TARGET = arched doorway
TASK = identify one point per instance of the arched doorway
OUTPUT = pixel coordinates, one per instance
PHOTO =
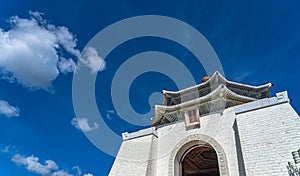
(199, 160)
(191, 142)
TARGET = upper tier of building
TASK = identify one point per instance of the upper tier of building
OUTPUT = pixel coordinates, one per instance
(213, 95)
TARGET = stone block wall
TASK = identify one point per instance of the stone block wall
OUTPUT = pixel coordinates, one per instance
(268, 136)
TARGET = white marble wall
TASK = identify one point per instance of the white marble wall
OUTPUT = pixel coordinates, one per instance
(252, 139)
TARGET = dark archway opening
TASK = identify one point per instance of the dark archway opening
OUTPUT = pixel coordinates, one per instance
(200, 161)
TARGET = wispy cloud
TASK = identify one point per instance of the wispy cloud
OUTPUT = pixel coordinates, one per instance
(8, 149)
(83, 124)
(8, 110)
(245, 74)
(77, 168)
(33, 165)
(66, 65)
(61, 173)
(5, 149)
(79, 172)
(49, 168)
(91, 59)
(110, 114)
(32, 52)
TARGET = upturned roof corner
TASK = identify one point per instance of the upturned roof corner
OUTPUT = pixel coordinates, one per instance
(214, 94)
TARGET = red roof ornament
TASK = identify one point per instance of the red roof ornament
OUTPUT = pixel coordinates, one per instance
(205, 78)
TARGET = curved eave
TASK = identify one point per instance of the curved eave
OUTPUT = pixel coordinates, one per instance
(210, 82)
(215, 94)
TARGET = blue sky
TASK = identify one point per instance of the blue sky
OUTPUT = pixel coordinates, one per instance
(40, 43)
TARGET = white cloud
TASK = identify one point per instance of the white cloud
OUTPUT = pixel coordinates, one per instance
(66, 65)
(6, 149)
(61, 173)
(91, 59)
(31, 52)
(8, 110)
(66, 39)
(33, 165)
(83, 124)
(50, 168)
(77, 168)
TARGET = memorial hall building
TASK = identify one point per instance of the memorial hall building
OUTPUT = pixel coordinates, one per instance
(216, 128)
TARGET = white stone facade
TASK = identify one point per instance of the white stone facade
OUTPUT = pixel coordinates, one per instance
(253, 139)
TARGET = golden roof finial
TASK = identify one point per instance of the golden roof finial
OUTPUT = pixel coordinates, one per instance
(205, 78)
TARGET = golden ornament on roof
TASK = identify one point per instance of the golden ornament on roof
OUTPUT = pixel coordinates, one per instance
(205, 78)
